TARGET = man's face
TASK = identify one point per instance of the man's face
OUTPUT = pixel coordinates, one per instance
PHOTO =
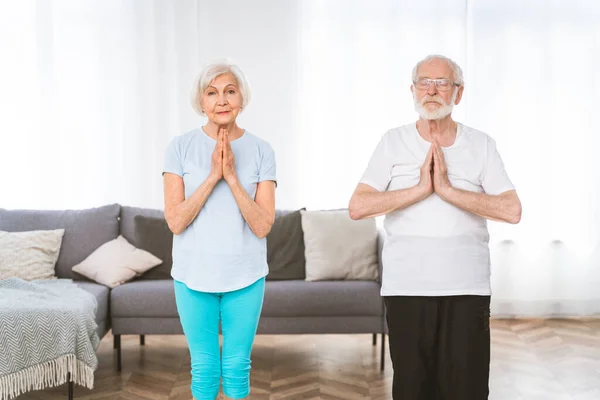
(435, 101)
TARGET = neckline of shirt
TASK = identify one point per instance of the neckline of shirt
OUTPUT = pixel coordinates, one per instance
(459, 131)
(244, 134)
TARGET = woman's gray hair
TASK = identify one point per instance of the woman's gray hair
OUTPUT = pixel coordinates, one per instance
(456, 70)
(209, 73)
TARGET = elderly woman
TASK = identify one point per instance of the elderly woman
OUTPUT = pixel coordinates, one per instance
(219, 189)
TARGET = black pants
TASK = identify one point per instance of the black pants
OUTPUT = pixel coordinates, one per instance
(440, 347)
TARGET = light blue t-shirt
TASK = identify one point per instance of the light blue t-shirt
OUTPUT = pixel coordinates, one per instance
(218, 252)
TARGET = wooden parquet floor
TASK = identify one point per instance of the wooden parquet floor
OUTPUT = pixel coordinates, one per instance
(531, 360)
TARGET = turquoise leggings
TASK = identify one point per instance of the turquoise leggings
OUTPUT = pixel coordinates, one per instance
(238, 312)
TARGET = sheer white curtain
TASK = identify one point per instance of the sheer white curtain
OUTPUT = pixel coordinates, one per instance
(92, 91)
(533, 72)
(531, 83)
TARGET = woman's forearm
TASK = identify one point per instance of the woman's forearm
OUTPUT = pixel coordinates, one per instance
(181, 216)
(257, 218)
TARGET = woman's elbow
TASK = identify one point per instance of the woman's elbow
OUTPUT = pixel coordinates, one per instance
(177, 230)
(173, 225)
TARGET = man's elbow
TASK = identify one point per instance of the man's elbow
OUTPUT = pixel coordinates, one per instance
(354, 211)
(515, 215)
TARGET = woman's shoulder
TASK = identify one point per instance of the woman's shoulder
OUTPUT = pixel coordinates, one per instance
(183, 140)
(257, 141)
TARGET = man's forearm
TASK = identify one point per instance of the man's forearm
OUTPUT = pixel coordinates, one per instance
(257, 218)
(505, 207)
(373, 204)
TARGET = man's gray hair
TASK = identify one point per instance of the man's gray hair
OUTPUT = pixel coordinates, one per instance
(209, 73)
(456, 70)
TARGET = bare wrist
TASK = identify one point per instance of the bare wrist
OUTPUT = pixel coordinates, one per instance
(232, 181)
(447, 194)
(421, 191)
(213, 179)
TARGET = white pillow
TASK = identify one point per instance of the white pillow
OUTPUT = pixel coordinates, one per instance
(339, 248)
(29, 255)
(116, 262)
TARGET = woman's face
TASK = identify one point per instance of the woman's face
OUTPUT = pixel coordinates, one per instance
(222, 100)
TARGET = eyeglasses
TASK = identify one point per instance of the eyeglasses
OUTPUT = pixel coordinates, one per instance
(443, 85)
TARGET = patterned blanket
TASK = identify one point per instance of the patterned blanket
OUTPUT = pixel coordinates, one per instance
(47, 330)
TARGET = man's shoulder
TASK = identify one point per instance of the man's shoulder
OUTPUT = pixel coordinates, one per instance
(474, 134)
(400, 132)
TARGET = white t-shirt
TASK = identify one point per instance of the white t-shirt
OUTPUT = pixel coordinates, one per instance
(434, 248)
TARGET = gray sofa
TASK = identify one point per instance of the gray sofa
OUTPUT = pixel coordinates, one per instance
(146, 305)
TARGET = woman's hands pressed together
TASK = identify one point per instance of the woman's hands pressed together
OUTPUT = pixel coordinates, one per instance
(223, 160)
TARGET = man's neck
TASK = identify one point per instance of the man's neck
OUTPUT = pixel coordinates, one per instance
(443, 130)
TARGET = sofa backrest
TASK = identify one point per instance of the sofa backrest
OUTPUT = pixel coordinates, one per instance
(156, 237)
(85, 231)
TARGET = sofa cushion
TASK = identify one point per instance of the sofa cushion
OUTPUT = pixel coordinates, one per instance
(153, 298)
(338, 247)
(116, 262)
(153, 235)
(285, 247)
(29, 255)
(101, 294)
(324, 298)
(85, 231)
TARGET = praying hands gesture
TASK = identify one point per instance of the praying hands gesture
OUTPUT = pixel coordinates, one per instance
(505, 207)
(223, 160)
(434, 173)
(441, 183)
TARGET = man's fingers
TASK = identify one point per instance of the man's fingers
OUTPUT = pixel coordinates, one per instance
(429, 158)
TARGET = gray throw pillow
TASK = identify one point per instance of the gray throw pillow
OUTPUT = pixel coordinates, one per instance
(153, 235)
(285, 248)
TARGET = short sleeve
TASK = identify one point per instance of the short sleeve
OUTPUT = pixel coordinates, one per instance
(173, 162)
(268, 169)
(495, 180)
(377, 174)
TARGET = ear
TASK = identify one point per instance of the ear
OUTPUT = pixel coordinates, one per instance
(412, 89)
(199, 99)
(459, 95)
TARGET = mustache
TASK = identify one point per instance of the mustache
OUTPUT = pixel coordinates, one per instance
(435, 98)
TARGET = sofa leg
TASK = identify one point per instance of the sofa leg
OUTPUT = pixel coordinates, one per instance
(142, 340)
(117, 344)
(70, 386)
(382, 351)
(374, 339)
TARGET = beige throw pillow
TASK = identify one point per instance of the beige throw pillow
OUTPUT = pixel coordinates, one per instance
(116, 262)
(339, 248)
(29, 255)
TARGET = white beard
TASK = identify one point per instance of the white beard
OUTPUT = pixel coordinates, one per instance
(441, 112)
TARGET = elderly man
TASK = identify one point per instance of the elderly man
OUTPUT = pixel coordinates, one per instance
(437, 181)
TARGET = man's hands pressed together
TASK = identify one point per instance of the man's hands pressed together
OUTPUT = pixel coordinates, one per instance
(434, 173)
(441, 183)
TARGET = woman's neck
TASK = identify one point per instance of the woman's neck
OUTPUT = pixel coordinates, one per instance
(212, 129)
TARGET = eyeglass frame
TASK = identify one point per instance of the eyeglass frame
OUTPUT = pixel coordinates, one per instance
(435, 81)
